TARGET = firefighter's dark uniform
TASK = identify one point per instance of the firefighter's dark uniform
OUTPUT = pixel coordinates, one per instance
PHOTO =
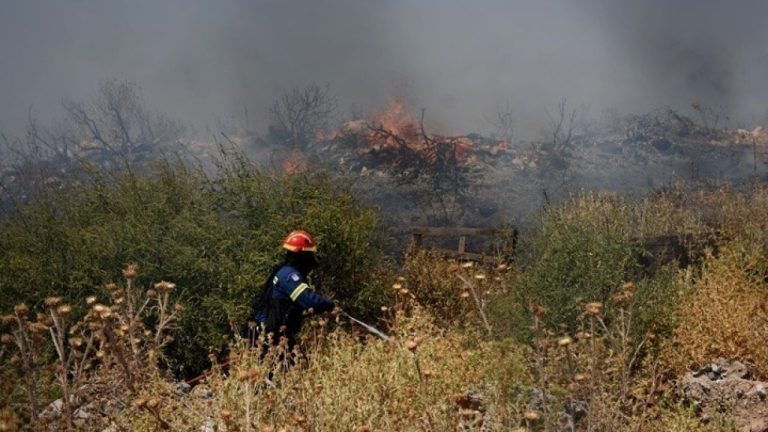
(289, 296)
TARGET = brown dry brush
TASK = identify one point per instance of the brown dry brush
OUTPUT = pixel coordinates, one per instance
(108, 353)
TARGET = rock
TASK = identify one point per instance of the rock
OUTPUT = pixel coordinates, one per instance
(201, 391)
(181, 388)
(208, 426)
(724, 383)
(53, 409)
(82, 413)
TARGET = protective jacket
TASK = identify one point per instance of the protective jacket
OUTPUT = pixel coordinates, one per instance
(286, 297)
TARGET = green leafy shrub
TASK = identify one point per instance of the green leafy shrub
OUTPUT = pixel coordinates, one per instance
(584, 251)
(216, 237)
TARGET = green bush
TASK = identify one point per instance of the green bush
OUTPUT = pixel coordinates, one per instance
(584, 251)
(215, 237)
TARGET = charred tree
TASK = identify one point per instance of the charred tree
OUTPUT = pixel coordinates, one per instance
(300, 113)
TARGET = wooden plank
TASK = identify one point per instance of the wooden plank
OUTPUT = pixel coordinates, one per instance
(463, 255)
(455, 231)
(462, 243)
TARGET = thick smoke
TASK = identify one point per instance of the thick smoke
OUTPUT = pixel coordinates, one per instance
(210, 62)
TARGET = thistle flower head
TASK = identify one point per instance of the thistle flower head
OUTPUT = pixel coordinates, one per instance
(531, 415)
(21, 310)
(37, 327)
(64, 310)
(412, 344)
(165, 286)
(130, 271)
(153, 403)
(537, 310)
(52, 302)
(594, 308)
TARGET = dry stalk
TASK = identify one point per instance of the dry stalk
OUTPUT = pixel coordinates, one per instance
(27, 336)
(480, 307)
(412, 346)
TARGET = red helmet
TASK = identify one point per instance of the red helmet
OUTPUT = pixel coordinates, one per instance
(300, 241)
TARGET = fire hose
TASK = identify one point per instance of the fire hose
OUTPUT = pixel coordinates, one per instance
(371, 329)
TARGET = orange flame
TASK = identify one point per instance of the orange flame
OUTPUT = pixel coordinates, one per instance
(398, 120)
(294, 162)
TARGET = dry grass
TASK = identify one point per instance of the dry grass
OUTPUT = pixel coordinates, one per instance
(726, 314)
(418, 381)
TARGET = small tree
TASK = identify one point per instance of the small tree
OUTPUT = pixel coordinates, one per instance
(113, 130)
(503, 122)
(300, 113)
(561, 130)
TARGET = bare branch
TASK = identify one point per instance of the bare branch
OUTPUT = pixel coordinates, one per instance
(300, 113)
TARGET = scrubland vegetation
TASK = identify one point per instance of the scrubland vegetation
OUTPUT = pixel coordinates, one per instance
(607, 304)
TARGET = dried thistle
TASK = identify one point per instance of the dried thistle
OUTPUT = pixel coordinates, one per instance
(52, 302)
(64, 310)
(21, 310)
(594, 308)
(130, 271)
(164, 286)
(531, 415)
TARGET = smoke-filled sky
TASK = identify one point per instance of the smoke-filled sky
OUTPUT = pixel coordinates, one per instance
(201, 61)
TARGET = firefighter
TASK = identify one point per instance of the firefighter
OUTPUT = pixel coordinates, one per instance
(286, 296)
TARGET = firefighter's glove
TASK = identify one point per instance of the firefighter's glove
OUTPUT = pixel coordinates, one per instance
(336, 313)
